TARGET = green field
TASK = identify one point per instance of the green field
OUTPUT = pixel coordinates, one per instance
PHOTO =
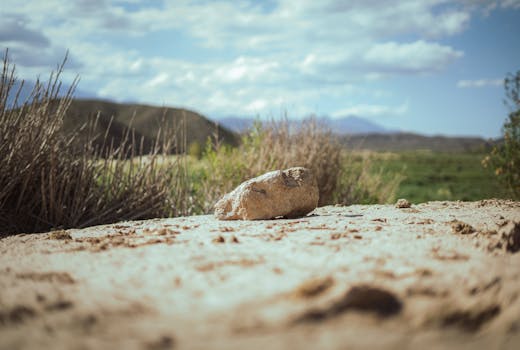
(439, 176)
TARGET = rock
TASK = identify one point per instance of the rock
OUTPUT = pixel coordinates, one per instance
(461, 227)
(363, 298)
(403, 203)
(289, 193)
(510, 235)
(314, 287)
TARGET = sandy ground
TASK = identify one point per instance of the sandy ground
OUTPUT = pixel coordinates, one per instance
(439, 275)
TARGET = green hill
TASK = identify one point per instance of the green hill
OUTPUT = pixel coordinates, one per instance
(145, 121)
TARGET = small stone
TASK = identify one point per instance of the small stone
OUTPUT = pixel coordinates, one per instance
(219, 239)
(314, 287)
(286, 193)
(61, 234)
(510, 235)
(403, 203)
(462, 228)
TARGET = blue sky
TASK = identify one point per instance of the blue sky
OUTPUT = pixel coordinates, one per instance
(427, 66)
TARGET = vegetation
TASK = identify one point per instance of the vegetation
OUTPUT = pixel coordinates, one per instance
(505, 157)
(280, 145)
(48, 180)
(55, 174)
(429, 176)
(146, 123)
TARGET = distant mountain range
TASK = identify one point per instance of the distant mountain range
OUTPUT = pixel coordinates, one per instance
(143, 124)
(361, 134)
(350, 125)
(145, 121)
(397, 142)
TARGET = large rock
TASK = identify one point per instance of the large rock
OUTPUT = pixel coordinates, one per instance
(289, 193)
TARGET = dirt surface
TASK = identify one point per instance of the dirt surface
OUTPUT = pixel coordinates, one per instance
(440, 275)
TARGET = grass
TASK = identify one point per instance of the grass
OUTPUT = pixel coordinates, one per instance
(51, 179)
(56, 178)
(280, 145)
(429, 176)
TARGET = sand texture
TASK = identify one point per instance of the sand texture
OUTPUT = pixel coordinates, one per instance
(439, 275)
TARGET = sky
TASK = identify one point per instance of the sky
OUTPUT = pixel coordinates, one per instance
(426, 66)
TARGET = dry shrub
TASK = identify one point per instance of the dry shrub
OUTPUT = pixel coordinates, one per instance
(52, 179)
(49, 180)
(360, 183)
(283, 144)
(504, 158)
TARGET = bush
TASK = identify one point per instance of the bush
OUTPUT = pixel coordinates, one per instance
(280, 145)
(49, 180)
(504, 158)
(195, 150)
(52, 178)
(362, 182)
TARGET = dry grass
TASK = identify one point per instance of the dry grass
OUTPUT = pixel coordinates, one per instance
(53, 178)
(49, 180)
(280, 145)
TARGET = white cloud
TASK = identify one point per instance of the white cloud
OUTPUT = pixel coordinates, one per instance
(373, 61)
(510, 3)
(157, 81)
(488, 5)
(416, 57)
(248, 56)
(477, 83)
(372, 110)
(246, 69)
(15, 30)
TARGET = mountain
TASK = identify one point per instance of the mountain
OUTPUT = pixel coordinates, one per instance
(340, 126)
(353, 125)
(395, 142)
(146, 121)
(236, 124)
(115, 119)
(360, 134)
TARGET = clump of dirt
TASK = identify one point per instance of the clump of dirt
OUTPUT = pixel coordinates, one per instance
(160, 232)
(163, 343)
(471, 320)
(314, 287)
(510, 235)
(59, 305)
(462, 228)
(453, 255)
(403, 203)
(495, 282)
(498, 203)
(61, 234)
(219, 239)
(16, 315)
(60, 277)
(362, 298)
(507, 238)
(218, 264)
(127, 239)
(278, 236)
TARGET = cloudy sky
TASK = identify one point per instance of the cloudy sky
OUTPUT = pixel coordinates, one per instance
(429, 66)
